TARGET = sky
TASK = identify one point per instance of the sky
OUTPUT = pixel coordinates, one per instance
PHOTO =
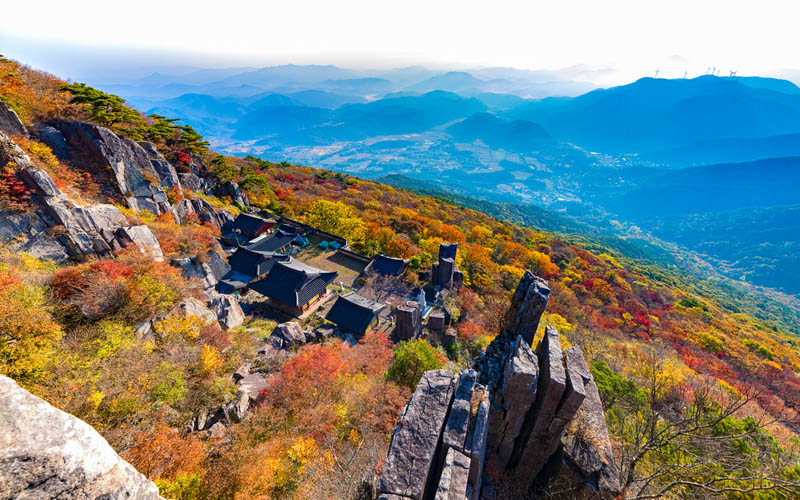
(607, 42)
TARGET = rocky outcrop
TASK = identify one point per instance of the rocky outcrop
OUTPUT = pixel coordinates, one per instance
(193, 307)
(288, 335)
(208, 268)
(191, 182)
(230, 189)
(143, 238)
(10, 124)
(445, 273)
(527, 305)
(512, 412)
(221, 218)
(587, 453)
(48, 454)
(166, 172)
(408, 321)
(114, 160)
(410, 469)
(229, 312)
(79, 232)
(453, 483)
(516, 396)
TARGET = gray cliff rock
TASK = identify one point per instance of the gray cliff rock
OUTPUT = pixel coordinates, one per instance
(9, 121)
(411, 461)
(114, 160)
(48, 454)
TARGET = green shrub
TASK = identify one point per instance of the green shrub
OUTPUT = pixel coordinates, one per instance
(411, 359)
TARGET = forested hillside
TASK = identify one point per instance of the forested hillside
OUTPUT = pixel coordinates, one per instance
(701, 397)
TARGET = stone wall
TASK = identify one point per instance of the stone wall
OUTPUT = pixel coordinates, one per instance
(530, 416)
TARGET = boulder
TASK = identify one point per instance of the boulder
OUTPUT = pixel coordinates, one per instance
(217, 431)
(183, 209)
(48, 454)
(290, 334)
(193, 307)
(9, 121)
(143, 238)
(241, 373)
(208, 270)
(230, 189)
(412, 453)
(54, 139)
(229, 312)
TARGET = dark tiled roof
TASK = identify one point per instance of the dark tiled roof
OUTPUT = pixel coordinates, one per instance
(235, 279)
(251, 224)
(448, 250)
(249, 262)
(390, 266)
(233, 239)
(354, 313)
(271, 242)
(293, 283)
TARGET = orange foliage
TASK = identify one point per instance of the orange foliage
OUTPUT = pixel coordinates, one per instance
(164, 453)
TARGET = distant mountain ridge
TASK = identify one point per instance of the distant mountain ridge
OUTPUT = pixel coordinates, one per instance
(657, 114)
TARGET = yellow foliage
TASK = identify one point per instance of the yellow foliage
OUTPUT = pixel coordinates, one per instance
(114, 336)
(210, 360)
(303, 450)
(178, 327)
(96, 398)
(27, 330)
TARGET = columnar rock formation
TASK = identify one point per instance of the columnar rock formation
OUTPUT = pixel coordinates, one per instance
(511, 411)
(445, 273)
(48, 454)
(408, 321)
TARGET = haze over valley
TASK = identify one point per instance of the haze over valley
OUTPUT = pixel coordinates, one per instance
(701, 162)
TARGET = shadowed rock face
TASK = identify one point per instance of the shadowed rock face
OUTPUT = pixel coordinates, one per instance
(48, 454)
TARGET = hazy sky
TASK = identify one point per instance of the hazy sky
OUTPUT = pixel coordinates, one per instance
(623, 39)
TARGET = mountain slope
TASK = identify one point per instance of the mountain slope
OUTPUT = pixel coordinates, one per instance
(652, 114)
(518, 135)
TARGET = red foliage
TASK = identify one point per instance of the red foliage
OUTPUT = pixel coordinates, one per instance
(469, 331)
(373, 354)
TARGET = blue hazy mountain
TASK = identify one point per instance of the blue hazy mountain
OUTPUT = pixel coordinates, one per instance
(399, 115)
(279, 120)
(517, 135)
(658, 114)
(710, 188)
(728, 150)
(746, 215)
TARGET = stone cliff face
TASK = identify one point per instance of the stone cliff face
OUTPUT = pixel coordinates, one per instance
(509, 415)
(48, 454)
